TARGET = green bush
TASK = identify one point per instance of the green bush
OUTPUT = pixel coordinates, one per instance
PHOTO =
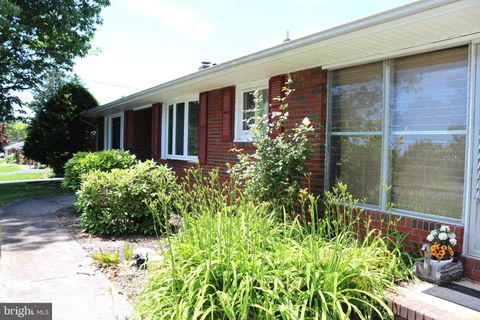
(237, 261)
(114, 203)
(85, 162)
(11, 158)
(274, 171)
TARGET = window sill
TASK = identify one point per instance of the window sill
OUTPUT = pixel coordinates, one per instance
(411, 214)
(182, 158)
(242, 140)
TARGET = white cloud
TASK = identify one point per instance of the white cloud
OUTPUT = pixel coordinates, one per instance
(182, 19)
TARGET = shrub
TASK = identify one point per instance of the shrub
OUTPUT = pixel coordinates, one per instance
(11, 158)
(84, 162)
(57, 131)
(114, 203)
(236, 261)
(274, 171)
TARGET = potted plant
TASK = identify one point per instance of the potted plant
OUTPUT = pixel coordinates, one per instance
(441, 241)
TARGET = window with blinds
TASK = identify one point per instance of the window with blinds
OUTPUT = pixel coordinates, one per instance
(426, 135)
(428, 131)
(356, 129)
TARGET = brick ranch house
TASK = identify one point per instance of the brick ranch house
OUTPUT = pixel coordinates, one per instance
(394, 98)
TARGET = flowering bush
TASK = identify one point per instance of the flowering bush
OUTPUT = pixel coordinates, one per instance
(441, 242)
(274, 171)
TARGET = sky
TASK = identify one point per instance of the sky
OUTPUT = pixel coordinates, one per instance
(143, 43)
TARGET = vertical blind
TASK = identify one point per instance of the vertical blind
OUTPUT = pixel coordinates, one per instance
(426, 137)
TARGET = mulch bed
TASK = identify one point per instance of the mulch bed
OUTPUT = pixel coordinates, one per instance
(127, 278)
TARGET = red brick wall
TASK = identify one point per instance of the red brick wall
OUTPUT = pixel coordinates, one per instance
(308, 100)
(417, 229)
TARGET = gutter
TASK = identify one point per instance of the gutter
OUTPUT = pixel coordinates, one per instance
(382, 17)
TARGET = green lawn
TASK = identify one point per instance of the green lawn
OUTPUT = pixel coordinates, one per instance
(22, 176)
(17, 191)
(10, 167)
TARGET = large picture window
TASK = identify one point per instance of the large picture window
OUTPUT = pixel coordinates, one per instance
(420, 151)
(182, 130)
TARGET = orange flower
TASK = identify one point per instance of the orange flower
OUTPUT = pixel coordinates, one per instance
(441, 254)
(305, 190)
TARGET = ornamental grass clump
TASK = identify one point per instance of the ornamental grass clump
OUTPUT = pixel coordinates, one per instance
(235, 259)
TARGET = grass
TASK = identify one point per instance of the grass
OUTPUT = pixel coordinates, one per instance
(107, 259)
(23, 176)
(10, 168)
(18, 191)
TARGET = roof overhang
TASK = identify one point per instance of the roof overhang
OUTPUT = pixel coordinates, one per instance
(413, 28)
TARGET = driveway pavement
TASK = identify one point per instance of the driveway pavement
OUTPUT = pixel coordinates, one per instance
(40, 262)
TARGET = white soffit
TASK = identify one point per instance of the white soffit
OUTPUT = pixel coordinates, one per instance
(430, 27)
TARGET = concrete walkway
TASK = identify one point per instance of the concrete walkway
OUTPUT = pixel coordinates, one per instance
(40, 262)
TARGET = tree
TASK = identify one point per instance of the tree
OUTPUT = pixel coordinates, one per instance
(3, 138)
(52, 82)
(57, 131)
(16, 131)
(38, 37)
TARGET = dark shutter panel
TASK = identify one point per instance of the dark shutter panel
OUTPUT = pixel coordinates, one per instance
(100, 133)
(128, 137)
(226, 134)
(156, 128)
(202, 128)
(275, 86)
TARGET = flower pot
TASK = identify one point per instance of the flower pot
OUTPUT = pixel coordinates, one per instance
(440, 263)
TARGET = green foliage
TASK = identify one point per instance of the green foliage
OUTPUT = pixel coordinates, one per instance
(233, 259)
(11, 158)
(127, 251)
(273, 172)
(85, 162)
(3, 137)
(16, 157)
(16, 131)
(113, 203)
(38, 37)
(106, 259)
(57, 131)
(52, 82)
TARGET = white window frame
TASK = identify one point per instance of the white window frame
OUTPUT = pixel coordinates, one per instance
(107, 141)
(164, 133)
(242, 135)
(385, 137)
